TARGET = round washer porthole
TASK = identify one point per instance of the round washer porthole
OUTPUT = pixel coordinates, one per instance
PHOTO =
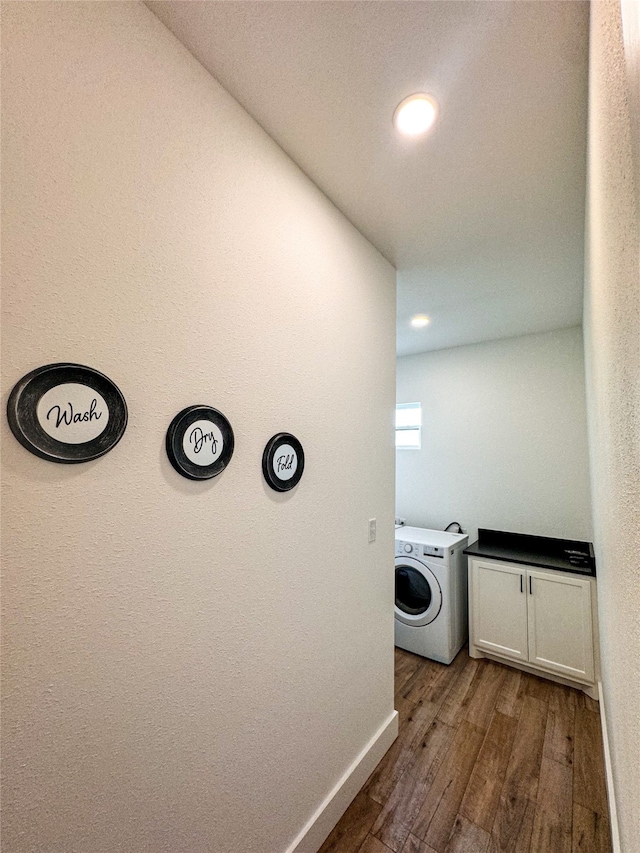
(200, 442)
(413, 591)
(418, 598)
(283, 462)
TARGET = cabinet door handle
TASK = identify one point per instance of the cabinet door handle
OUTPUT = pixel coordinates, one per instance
(521, 587)
(530, 590)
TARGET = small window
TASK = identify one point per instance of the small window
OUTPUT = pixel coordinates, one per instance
(408, 426)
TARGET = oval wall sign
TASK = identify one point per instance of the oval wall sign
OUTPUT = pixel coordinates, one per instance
(67, 413)
(200, 442)
(283, 462)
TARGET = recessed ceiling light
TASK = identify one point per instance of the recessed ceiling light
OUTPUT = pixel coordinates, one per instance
(415, 115)
(420, 321)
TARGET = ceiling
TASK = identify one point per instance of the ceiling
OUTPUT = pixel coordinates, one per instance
(483, 218)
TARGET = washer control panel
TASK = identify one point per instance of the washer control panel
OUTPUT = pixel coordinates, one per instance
(406, 548)
(416, 550)
(432, 551)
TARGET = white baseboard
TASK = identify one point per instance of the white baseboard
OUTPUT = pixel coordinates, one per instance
(611, 796)
(329, 812)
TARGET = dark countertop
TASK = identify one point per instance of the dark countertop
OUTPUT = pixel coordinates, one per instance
(566, 555)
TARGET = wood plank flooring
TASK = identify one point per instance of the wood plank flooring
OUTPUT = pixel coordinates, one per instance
(488, 760)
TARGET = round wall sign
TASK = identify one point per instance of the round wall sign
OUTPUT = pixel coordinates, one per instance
(283, 462)
(200, 442)
(67, 413)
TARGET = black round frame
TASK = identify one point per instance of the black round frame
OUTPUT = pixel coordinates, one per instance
(23, 419)
(267, 462)
(175, 435)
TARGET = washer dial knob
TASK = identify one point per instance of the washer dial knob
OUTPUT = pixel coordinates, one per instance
(408, 549)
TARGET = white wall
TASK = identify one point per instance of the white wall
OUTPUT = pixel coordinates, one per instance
(612, 346)
(504, 437)
(188, 666)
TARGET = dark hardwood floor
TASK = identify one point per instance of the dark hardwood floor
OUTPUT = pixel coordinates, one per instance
(488, 760)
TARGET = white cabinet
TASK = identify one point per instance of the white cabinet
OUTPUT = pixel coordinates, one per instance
(540, 618)
(499, 609)
(560, 624)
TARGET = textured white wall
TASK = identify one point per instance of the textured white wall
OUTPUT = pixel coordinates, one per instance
(504, 437)
(612, 347)
(188, 666)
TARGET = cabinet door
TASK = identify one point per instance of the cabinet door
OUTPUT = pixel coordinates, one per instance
(499, 609)
(560, 626)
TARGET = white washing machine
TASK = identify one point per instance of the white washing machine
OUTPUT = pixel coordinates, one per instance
(431, 592)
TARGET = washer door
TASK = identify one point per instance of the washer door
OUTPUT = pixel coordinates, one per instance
(418, 593)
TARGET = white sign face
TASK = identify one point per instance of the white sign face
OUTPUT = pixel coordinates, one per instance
(72, 413)
(285, 462)
(202, 443)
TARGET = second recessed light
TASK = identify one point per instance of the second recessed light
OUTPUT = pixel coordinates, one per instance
(420, 321)
(415, 115)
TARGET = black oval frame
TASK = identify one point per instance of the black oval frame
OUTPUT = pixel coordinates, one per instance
(267, 459)
(23, 420)
(175, 435)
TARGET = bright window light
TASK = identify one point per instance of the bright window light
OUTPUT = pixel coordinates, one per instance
(408, 426)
